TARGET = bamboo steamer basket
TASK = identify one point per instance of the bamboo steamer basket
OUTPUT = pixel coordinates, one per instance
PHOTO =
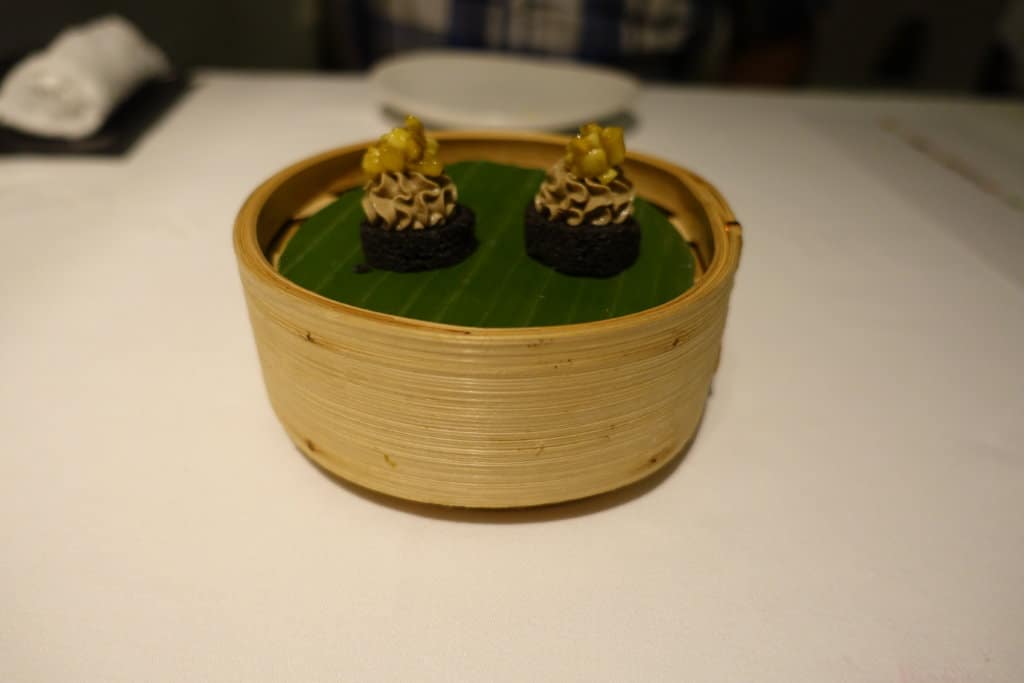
(486, 417)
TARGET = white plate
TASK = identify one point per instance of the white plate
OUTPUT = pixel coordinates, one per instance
(466, 89)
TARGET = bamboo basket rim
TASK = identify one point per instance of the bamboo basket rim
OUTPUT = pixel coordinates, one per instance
(726, 234)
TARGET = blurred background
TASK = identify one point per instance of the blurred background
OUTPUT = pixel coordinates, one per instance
(926, 45)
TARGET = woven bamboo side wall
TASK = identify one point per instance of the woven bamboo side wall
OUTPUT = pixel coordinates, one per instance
(487, 417)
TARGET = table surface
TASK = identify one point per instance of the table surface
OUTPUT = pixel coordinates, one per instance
(852, 509)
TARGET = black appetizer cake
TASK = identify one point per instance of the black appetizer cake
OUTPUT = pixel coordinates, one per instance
(581, 220)
(413, 219)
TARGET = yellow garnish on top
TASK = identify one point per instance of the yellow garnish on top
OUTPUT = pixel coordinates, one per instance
(595, 152)
(403, 149)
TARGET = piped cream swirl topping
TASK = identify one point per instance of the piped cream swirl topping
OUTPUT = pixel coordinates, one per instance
(401, 200)
(565, 196)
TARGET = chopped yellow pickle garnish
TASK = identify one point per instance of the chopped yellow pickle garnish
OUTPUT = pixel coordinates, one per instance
(595, 152)
(403, 149)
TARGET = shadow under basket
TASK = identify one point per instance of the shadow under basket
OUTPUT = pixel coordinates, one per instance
(486, 417)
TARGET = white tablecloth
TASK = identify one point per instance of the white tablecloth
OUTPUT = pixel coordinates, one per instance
(852, 509)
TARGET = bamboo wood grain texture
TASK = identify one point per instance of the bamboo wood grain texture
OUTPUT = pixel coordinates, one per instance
(486, 417)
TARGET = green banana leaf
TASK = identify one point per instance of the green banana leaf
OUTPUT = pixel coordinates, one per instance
(498, 285)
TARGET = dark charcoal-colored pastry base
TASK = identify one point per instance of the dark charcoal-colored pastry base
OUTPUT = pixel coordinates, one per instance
(591, 250)
(409, 250)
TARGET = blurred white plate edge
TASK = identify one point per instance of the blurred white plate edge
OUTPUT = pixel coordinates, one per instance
(584, 92)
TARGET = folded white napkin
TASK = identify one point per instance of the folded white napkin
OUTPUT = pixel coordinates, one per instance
(69, 89)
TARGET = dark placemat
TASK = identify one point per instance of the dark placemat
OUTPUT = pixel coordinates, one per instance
(124, 127)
